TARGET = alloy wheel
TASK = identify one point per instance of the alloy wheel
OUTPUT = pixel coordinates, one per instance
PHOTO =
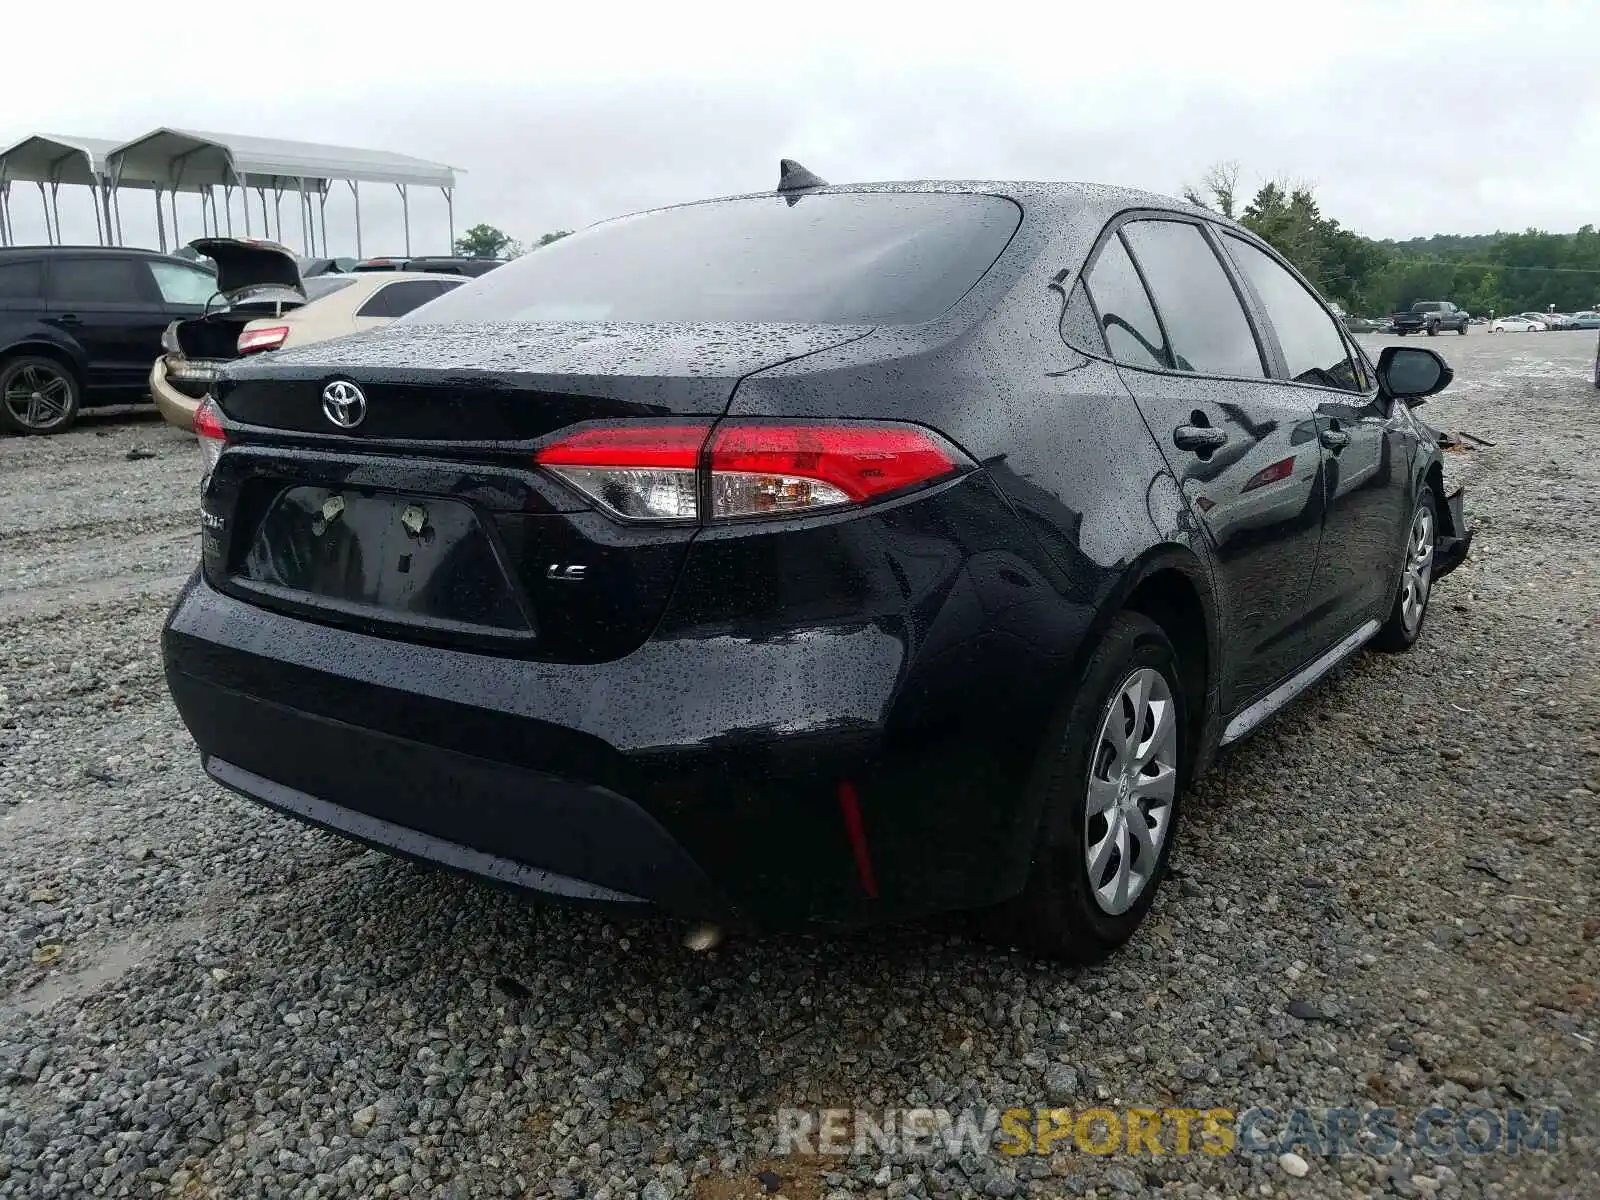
(1133, 775)
(38, 398)
(1418, 570)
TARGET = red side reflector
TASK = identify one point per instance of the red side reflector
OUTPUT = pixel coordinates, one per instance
(1281, 469)
(850, 811)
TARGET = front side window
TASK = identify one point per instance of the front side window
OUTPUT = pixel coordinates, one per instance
(1313, 348)
(834, 258)
(1205, 322)
(103, 280)
(183, 285)
(1129, 323)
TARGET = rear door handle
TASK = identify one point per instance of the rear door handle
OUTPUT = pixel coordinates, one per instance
(1202, 439)
(1334, 439)
(69, 319)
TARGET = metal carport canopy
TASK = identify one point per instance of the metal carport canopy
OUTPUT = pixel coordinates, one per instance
(188, 157)
(185, 159)
(51, 160)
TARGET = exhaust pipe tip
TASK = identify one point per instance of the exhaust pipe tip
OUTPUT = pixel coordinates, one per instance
(703, 938)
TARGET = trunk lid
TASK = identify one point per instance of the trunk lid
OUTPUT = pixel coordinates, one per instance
(427, 519)
(509, 384)
(247, 264)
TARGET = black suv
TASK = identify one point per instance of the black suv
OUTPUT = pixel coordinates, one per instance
(877, 551)
(80, 325)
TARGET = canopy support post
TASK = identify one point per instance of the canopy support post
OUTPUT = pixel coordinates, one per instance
(55, 207)
(307, 247)
(450, 216)
(227, 206)
(44, 203)
(322, 209)
(161, 222)
(277, 207)
(5, 212)
(355, 190)
(94, 199)
(405, 212)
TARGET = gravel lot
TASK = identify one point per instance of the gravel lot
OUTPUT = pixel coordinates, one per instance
(1388, 897)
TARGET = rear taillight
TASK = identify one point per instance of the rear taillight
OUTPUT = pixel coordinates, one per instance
(208, 428)
(269, 337)
(655, 472)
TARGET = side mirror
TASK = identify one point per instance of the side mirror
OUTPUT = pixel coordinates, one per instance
(1412, 374)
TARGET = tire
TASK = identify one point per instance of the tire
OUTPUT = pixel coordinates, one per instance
(38, 395)
(1433, 329)
(1058, 914)
(1462, 329)
(1399, 333)
(1406, 616)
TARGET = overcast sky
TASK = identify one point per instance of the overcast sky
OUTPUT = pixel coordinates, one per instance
(1467, 118)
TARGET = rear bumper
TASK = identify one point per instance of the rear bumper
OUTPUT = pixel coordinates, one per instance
(837, 769)
(176, 407)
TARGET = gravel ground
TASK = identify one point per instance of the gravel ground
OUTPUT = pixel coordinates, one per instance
(1388, 897)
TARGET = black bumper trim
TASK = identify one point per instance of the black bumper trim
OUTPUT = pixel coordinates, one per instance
(410, 843)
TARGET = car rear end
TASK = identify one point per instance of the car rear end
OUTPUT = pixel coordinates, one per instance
(518, 586)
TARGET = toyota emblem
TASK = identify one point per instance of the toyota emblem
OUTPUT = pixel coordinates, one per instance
(344, 404)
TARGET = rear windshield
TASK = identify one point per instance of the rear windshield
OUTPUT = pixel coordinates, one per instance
(319, 286)
(834, 259)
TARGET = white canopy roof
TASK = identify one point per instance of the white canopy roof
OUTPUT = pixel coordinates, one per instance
(189, 158)
(49, 158)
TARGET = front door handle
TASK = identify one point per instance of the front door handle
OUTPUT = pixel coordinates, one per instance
(1334, 439)
(1202, 439)
(70, 319)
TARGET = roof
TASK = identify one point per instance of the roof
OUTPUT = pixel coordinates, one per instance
(1097, 198)
(188, 157)
(53, 158)
(114, 251)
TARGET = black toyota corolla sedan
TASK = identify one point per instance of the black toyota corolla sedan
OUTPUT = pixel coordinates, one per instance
(812, 558)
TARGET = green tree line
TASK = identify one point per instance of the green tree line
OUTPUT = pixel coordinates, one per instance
(486, 241)
(1482, 273)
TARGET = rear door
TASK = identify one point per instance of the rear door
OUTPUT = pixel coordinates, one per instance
(1243, 449)
(110, 304)
(1367, 449)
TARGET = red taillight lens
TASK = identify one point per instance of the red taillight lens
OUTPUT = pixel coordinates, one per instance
(208, 428)
(648, 471)
(268, 338)
(758, 468)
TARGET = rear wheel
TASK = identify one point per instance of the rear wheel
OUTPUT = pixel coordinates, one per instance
(1433, 329)
(1462, 329)
(37, 395)
(1111, 802)
(1410, 608)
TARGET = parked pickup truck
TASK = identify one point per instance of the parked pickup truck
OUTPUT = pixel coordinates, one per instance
(1430, 315)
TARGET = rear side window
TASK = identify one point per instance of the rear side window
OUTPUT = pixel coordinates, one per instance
(1132, 332)
(183, 285)
(1206, 327)
(19, 281)
(398, 299)
(834, 258)
(1313, 348)
(99, 281)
